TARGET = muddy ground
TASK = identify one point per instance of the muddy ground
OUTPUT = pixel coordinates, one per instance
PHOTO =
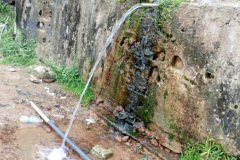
(21, 141)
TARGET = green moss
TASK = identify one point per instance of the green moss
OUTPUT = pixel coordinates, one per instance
(158, 78)
(189, 80)
(236, 106)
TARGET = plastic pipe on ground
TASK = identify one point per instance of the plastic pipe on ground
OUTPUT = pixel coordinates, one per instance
(47, 120)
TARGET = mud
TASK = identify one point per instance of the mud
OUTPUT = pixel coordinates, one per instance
(22, 141)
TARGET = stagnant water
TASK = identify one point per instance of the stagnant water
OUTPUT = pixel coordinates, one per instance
(55, 152)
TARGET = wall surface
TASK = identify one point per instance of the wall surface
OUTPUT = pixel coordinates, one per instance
(192, 72)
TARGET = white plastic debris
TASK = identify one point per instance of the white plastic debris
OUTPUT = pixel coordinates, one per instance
(48, 91)
(89, 121)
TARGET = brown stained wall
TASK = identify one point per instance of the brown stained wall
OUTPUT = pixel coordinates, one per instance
(198, 67)
(195, 71)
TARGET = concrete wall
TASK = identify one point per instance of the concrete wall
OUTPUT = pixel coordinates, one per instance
(195, 70)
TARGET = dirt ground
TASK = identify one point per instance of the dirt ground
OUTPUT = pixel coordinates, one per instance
(21, 141)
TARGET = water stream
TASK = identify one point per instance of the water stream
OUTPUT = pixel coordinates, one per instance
(109, 39)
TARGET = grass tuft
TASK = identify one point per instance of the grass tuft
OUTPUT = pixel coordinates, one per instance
(208, 151)
(69, 78)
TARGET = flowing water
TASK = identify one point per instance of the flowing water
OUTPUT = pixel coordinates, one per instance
(109, 39)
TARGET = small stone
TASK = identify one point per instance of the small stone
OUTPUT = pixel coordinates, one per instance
(12, 70)
(48, 130)
(154, 142)
(99, 100)
(174, 146)
(105, 112)
(125, 138)
(132, 40)
(88, 128)
(168, 150)
(19, 106)
(119, 108)
(141, 130)
(118, 138)
(49, 108)
(148, 133)
(100, 152)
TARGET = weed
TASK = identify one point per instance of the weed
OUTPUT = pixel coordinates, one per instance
(167, 7)
(13, 48)
(210, 151)
(69, 78)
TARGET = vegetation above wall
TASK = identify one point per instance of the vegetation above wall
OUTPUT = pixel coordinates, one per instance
(13, 48)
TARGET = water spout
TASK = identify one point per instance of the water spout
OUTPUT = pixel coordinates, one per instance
(109, 39)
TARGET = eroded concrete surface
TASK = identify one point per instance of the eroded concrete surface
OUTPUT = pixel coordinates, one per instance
(195, 71)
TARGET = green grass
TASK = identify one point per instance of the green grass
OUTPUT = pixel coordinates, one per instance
(208, 151)
(68, 77)
(13, 48)
(167, 7)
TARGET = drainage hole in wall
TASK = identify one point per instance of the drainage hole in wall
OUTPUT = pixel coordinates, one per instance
(44, 40)
(40, 13)
(177, 62)
(122, 42)
(40, 25)
(209, 75)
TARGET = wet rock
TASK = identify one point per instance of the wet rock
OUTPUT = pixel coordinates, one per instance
(161, 140)
(105, 112)
(100, 152)
(108, 105)
(125, 138)
(99, 100)
(148, 133)
(154, 142)
(118, 138)
(167, 150)
(141, 130)
(132, 40)
(119, 109)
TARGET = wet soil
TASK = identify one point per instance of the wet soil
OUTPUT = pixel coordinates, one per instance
(21, 141)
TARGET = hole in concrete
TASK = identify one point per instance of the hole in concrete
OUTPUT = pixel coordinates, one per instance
(122, 42)
(177, 62)
(152, 69)
(40, 13)
(209, 75)
(44, 40)
(40, 25)
(156, 55)
(184, 29)
(236, 106)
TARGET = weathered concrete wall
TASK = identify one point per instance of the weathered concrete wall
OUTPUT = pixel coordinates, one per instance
(202, 84)
(194, 72)
(69, 29)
